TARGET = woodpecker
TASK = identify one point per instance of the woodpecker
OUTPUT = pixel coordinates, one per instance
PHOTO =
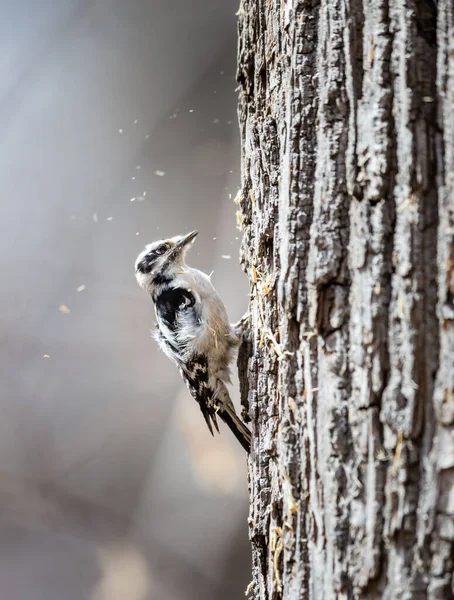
(192, 328)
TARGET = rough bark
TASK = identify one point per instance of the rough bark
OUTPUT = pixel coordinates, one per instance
(346, 113)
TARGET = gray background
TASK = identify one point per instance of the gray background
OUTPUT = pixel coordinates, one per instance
(110, 485)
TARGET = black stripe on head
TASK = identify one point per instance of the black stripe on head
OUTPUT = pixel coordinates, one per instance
(149, 261)
(147, 264)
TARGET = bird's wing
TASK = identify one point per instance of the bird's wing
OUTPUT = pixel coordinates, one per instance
(195, 374)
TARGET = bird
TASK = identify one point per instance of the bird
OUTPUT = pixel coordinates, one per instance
(192, 328)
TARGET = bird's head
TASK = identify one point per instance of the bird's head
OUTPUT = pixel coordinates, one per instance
(161, 261)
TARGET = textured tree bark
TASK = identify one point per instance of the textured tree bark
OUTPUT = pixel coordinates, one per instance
(346, 112)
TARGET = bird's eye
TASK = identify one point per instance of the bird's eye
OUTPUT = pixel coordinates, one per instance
(162, 248)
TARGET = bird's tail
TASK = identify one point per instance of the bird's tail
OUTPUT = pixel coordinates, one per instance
(238, 428)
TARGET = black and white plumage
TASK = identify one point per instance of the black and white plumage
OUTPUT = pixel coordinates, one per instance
(192, 328)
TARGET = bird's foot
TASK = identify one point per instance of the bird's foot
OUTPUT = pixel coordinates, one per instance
(242, 325)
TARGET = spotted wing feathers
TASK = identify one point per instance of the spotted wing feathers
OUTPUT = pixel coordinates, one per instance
(195, 375)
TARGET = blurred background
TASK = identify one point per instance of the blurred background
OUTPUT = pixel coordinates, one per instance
(118, 127)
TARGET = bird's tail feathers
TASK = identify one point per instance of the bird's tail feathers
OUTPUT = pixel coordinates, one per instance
(238, 428)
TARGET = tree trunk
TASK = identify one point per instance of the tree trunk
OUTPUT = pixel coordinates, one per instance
(347, 206)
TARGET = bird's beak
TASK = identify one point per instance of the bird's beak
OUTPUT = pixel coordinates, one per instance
(187, 239)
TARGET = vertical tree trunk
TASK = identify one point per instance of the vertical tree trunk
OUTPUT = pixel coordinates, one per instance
(347, 205)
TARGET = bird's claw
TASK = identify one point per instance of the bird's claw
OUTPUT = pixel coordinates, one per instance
(243, 324)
